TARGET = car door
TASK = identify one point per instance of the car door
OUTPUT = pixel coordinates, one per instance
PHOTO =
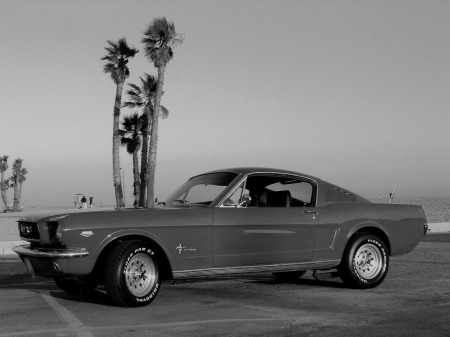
(265, 233)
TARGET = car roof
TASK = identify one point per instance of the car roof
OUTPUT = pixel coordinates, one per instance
(248, 170)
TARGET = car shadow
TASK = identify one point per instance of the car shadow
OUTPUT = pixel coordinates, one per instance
(97, 296)
(268, 279)
(335, 283)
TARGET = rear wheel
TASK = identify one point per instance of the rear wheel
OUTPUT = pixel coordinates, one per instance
(132, 275)
(365, 262)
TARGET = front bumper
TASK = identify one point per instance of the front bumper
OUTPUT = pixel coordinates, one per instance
(53, 261)
(52, 253)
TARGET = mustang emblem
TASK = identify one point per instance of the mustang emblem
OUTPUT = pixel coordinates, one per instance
(182, 248)
(87, 234)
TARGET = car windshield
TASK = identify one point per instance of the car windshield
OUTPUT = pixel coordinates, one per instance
(201, 190)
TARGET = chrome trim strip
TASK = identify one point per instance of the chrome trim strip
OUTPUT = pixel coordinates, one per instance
(326, 264)
(52, 253)
(336, 234)
(266, 231)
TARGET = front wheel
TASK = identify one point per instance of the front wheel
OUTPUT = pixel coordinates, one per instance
(132, 275)
(365, 262)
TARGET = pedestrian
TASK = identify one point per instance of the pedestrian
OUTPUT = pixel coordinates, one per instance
(91, 202)
(83, 202)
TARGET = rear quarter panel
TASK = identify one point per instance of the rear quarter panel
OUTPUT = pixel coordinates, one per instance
(403, 225)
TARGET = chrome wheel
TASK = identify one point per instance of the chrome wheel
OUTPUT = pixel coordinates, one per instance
(365, 261)
(368, 261)
(131, 274)
(140, 275)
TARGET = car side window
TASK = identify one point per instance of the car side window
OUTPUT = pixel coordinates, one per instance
(280, 191)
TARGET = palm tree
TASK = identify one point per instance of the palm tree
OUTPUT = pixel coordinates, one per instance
(22, 178)
(144, 160)
(143, 96)
(116, 66)
(130, 136)
(4, 184)
(159, 39)
(17, 167)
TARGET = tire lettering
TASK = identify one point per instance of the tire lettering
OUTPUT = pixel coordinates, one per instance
(150, 296)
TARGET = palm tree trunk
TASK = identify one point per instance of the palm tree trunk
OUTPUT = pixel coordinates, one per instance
(5, 200)
(144, 169)
(16, 195)
(154, 139)
(116, 146)
(137, 181)
(3, 189)
(20, 192)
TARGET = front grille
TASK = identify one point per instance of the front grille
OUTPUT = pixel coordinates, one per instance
(28, 231)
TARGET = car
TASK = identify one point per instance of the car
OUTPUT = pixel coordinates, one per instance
(224, 222)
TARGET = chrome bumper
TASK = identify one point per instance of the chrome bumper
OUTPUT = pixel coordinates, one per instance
(52, 253)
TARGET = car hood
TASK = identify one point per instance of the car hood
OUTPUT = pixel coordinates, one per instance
(104, 214)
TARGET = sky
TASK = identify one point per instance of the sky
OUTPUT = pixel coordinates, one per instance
(353, 92)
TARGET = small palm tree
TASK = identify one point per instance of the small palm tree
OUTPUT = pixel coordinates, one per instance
(17, 167)
(159, 40)
(130, 136)
(4, 184)
(143, 96)
(116, 66)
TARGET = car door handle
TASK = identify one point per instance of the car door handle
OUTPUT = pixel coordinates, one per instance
(311, 212)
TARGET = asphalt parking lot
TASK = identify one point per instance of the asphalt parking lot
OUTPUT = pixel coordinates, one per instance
(414, 300)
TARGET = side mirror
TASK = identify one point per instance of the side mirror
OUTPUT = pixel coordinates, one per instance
(246, 200)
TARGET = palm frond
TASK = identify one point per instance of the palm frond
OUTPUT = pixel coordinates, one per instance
(116, 59)
(160, 38)
(163, 112)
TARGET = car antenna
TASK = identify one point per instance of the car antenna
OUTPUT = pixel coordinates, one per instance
(392, 194)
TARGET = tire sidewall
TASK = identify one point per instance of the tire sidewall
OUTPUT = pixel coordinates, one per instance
(352, 276)
(133, 250)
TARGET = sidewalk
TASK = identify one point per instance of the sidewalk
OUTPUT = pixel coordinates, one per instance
(439, 227)
(6, 247)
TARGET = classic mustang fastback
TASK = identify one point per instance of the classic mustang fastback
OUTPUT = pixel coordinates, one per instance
(224, 222)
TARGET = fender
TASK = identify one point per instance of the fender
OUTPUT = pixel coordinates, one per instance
(365, 224)
(132, 232)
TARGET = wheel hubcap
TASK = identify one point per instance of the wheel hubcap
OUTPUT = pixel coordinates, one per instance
(140, 275)
(368, 261)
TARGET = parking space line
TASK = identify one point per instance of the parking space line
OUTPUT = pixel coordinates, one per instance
(76, 325)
